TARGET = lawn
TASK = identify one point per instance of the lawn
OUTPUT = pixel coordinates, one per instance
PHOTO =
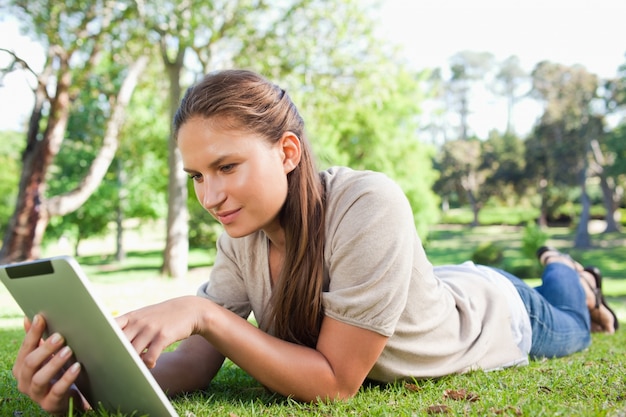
(590, 383)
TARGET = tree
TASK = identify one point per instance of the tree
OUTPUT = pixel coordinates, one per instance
(600, 165)
(10, 142)
(466, 68)
(380, 132)
(133, 186)
(509, 79)
(360, 104)
(223, 33)
(565, 131)
(503, 161)
(608, 154)
(76, 32)
(461, 170)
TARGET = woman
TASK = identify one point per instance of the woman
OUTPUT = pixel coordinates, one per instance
(332, 268)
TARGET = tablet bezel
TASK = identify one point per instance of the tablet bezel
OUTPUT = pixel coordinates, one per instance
(112, 373)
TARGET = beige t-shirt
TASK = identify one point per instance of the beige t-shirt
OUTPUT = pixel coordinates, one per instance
(377, 277)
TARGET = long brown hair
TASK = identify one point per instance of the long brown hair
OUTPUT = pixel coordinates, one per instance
(245, 100)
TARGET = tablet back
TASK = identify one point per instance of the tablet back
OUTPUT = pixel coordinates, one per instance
(112, 372)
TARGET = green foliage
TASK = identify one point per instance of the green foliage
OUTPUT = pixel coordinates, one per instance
(556, 151)
(458, 163)
(615, 146)
(203, 228)
(124, 191)
(359, 101)
(502, 157)
(488, 253)
(533, 238)
(11, 146)
(491, 215)
(70, 166)
(374, 127)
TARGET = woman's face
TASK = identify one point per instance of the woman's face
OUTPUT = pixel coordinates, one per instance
(239, 177)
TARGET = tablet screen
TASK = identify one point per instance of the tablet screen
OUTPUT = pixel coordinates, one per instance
(112, 373)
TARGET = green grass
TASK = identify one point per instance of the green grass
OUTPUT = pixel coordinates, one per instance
(589, 383)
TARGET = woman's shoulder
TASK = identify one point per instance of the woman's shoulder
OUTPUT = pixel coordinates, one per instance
(365, 197)
(344, 182)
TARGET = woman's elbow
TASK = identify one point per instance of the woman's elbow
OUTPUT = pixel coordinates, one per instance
(337, 395)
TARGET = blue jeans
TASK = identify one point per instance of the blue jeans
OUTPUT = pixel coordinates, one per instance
(558, 312)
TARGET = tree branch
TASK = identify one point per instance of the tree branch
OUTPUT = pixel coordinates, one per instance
(71, 201)
(17, 61)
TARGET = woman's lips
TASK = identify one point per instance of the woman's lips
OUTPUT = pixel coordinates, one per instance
(227, 217)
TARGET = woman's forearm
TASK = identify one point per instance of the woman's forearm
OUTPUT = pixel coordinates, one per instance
(335, 369)
(289, 369)
(189, 368)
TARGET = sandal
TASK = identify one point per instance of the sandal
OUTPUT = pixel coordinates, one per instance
(542, 250)
(592, 270)
(600, 300)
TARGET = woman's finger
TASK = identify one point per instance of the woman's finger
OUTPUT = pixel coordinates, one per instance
(27, 324)
(40, 366)
(57, 398)
(32, 338)
(61, 388)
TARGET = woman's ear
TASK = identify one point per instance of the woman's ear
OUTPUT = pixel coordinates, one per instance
(292, 151)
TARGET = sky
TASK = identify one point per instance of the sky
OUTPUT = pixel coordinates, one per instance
(590, 33)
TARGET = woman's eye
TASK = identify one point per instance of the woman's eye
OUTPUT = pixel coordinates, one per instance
(195, 177)
(227, 168)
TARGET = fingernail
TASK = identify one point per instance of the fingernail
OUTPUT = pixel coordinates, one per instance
(36, 320)
(55, 338)
(65, 352)
(75, 368)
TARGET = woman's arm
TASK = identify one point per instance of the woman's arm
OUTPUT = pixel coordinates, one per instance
(334, 370)
(190, 367)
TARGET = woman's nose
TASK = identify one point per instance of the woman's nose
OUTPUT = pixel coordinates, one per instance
(213, 195)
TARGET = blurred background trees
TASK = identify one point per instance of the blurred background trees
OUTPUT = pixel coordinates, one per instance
(93, 158)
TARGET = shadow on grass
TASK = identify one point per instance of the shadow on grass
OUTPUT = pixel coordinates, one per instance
(153, 257)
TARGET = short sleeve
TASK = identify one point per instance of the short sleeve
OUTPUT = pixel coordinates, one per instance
(226, 286)
(369, 250)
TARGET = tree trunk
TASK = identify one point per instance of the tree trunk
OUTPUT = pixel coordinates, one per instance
(509, 114)
(463, 113)
(22, 240)
(543, 209)
(120, 253)
(176, 252)
(470, 184)
(582, 239)
(610, 205)
(71, 201)
(30, 219)
(475, 207)
(607, 184)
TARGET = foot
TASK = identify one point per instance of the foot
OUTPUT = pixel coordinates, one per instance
(602, 318)
(548, 255)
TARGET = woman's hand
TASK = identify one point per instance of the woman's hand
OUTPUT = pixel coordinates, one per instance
(151, 329)
(39, 369)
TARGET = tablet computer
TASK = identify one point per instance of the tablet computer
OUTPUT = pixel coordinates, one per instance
(112, 373)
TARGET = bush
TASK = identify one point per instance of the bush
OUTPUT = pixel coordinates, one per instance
(203, 228)
(489, 254)
(532, 239)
